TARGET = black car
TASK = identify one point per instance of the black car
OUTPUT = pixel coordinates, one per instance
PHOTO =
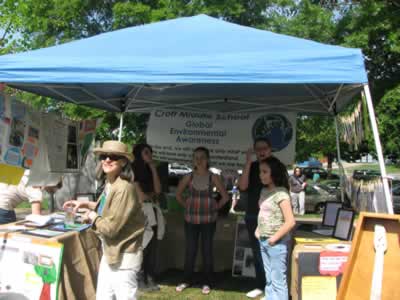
(323, 174)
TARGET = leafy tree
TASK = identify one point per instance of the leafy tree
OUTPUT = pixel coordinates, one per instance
(314, 138)
(370, 25)
(388, 112)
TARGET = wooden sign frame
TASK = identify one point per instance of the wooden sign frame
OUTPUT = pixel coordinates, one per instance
(357, 277)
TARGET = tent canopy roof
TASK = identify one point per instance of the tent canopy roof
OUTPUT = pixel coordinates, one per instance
(192, 63)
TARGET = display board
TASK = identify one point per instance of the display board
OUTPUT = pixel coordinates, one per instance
(174, 134)
(35, 266)
(25, 133)
(243, 259)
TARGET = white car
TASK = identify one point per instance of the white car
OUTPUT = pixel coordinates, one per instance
(178, 170)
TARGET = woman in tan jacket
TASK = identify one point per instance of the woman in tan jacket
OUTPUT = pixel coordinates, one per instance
(118, 220)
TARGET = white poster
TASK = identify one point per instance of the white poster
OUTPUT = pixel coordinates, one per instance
(174, 134)
(29, 268)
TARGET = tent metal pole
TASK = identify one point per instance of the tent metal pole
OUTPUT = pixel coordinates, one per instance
(378, 147)
(121, 123)
(339, 159)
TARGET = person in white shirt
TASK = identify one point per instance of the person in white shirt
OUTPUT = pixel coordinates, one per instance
(12, 195)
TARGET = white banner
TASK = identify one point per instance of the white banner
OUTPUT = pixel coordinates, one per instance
(174, 134)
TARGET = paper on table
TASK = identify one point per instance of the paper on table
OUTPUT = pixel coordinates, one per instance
(39, 220)
(318, 287)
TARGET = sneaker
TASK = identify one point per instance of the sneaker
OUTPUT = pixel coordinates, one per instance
(254, 293)
(205, 290)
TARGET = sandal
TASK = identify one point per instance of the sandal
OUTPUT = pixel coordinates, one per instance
(205, 290)
(181, 287)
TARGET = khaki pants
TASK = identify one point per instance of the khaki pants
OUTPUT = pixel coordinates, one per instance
(119, 283)
(298, 202)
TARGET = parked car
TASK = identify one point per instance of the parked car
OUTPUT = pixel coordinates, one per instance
(323, 174)
(177, 170)
(311, 162)
(316, 197)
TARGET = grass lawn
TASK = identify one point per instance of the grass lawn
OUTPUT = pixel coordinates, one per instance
(226, 287)
(390, 168)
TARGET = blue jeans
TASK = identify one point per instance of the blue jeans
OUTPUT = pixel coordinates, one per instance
(7, 216)
(275, 266)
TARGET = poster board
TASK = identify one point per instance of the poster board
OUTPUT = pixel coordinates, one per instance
(243, 259)
(36, 266)
(61, 145)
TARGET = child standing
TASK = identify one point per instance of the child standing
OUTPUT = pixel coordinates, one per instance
(275, 220)
(201, 211)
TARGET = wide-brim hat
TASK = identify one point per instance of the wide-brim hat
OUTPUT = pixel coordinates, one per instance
(114, 147)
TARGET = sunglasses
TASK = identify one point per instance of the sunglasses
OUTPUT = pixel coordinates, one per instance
(112, 157)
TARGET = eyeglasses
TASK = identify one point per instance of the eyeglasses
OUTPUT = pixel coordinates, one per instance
(112, 157)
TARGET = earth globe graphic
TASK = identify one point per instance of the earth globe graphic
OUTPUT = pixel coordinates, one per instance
(274, 127)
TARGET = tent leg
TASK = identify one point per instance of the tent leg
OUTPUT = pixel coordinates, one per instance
(121, 123)
(339, 159)
(378, 147)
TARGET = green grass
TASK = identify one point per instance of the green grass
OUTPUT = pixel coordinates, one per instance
(25, 204)
(226, 288)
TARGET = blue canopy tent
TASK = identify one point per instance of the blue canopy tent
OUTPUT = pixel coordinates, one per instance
(195, 63)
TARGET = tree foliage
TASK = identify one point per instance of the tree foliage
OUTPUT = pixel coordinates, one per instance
(389, 122)
(370, 25)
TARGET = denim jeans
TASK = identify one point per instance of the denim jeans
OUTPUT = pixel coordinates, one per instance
(7, 216)
(192, 234)
(275, 266)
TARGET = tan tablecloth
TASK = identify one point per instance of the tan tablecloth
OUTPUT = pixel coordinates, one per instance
(81, 258)
(171, 250)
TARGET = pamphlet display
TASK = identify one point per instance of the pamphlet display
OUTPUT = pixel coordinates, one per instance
(243, 260)
(38, 263)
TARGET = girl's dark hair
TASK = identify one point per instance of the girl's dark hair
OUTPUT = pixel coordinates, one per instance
(142, 171)
(126, 172)
(206, 152)
(262, 139)
(279, 174)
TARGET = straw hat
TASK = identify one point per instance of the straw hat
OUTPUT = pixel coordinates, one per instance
(114, 147)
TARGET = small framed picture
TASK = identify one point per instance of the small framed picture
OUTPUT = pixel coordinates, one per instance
(330, 213)
(344, 224)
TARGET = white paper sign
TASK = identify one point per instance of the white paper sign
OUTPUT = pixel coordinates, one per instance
(29, 268)
(174, 134)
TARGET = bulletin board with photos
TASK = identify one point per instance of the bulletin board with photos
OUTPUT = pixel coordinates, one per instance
(25, 132)
(243, 259)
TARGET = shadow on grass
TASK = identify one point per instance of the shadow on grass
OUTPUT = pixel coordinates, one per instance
(225, 287)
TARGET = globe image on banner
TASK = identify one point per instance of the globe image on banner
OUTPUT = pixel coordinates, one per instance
(276, 128)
